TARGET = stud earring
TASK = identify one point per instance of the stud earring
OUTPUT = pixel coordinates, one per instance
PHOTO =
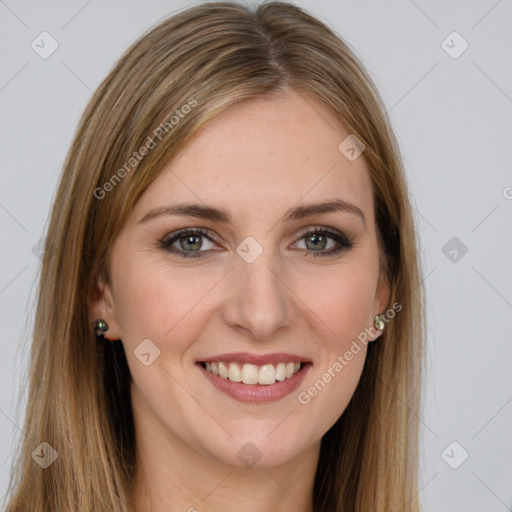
(100, 327)
(379, 321)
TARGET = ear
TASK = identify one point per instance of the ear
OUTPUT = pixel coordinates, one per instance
(382, 298)
(101, 305)
(382, 295)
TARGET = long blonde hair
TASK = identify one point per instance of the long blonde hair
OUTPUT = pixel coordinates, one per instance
(208, 58)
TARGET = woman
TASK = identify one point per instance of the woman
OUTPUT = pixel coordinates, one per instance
(231, 313)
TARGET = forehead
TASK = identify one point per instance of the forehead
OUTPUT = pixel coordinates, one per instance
(268, 152)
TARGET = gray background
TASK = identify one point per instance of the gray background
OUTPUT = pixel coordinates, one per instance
(453, 119)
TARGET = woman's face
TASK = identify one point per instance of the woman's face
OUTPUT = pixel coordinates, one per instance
(251, 287)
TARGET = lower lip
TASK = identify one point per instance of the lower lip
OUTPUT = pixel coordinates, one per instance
(257, 393)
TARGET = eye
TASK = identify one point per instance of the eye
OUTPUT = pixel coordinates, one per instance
(187, 239)
(316, 240)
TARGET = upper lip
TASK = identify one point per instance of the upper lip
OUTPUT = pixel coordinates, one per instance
(256, 359)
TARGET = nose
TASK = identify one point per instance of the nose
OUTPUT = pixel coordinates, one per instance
(260, 301)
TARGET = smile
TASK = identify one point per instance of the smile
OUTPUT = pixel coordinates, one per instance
(255, 378)
(263, 375)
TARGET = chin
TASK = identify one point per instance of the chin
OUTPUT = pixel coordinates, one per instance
(256, 452)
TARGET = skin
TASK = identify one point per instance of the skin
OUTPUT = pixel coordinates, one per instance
(257, 160)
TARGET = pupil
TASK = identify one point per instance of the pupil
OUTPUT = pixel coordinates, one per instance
(317, 239)
(190, 240)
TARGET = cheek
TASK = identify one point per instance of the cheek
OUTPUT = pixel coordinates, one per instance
(344, 302)
(155, 301)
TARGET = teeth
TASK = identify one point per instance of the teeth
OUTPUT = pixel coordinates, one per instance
(234, 373)
(281, 371)
(253, 374)
(267, 374)
(223, 371)
(250, 374)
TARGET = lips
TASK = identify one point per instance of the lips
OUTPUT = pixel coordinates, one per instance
(243, 387)
(258, 360)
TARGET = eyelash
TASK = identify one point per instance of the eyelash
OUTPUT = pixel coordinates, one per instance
(344, 242)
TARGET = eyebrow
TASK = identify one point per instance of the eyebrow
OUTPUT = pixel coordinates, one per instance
(220, 215)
